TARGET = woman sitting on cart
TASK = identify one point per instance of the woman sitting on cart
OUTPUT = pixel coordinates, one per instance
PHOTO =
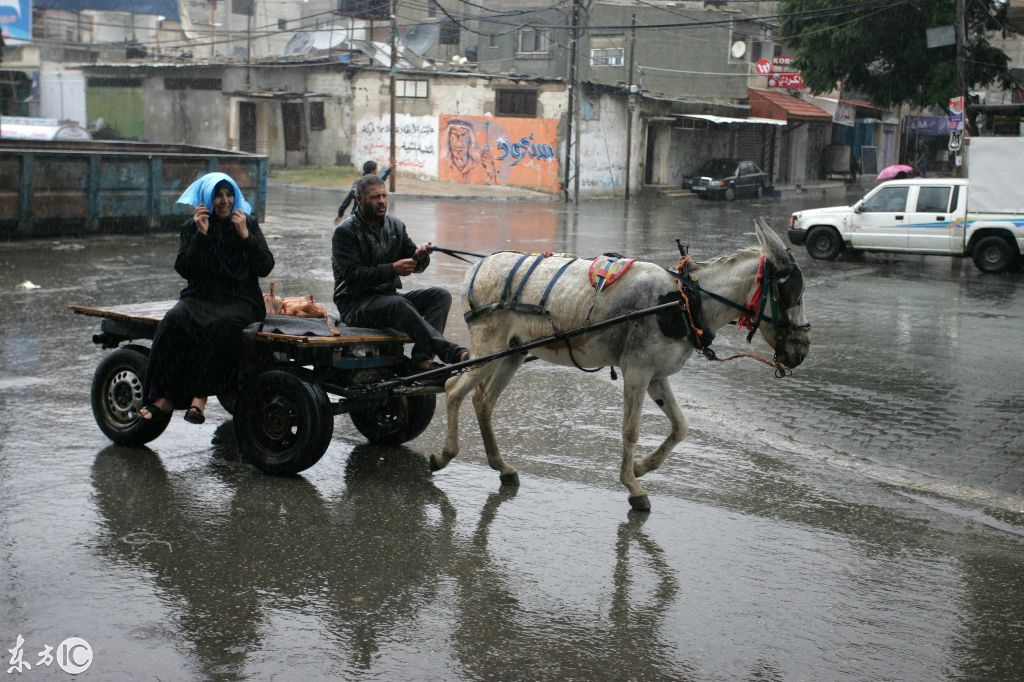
(222, 254)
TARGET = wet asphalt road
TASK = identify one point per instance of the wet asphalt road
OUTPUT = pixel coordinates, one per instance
(862, 519)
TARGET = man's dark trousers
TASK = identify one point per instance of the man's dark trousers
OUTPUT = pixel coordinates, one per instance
(421, 314)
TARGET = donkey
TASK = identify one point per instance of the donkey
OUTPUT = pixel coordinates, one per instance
(640, 347)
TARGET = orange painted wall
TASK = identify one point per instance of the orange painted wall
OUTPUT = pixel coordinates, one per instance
(486, 150)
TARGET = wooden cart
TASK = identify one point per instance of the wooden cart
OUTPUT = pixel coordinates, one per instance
(290, 388)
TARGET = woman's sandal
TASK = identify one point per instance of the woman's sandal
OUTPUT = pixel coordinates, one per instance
(195, 415)
(153, 411)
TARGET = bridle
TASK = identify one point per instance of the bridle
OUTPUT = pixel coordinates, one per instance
(778, 289)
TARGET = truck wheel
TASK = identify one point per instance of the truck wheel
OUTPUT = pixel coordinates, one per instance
(823, 243)
(399, 421)
(993, 254)
(283, 424)
(118, 392)
(730, 193)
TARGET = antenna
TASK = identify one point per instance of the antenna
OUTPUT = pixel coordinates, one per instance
(300, 43)
(421, 37)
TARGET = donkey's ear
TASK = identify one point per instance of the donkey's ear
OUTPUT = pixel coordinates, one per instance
(772, 243)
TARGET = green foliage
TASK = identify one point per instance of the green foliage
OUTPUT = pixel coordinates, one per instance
(878, 48)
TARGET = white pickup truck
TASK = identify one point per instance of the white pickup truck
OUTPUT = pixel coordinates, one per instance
(981, 216)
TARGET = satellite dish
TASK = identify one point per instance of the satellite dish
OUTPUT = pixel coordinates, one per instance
(300, 43)
(738, 49)
(421, 37)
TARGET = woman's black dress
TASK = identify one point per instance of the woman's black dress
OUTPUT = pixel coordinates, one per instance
(197, 346)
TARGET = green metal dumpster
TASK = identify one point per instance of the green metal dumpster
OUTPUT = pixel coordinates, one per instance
(51, 188)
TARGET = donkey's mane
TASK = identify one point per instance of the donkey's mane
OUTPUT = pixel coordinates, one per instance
(742, 253)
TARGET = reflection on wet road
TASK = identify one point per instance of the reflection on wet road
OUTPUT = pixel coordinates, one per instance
(861, 519)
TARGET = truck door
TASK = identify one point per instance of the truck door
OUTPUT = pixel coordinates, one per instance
(930, 224)
(880, 221)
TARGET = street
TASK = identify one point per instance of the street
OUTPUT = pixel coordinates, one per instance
(862, 519)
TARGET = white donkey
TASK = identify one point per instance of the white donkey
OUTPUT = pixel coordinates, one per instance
(508, 313)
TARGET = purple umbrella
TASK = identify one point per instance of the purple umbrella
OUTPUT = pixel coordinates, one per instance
(890, 172)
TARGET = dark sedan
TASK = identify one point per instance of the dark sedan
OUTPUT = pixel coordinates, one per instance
(728, 179)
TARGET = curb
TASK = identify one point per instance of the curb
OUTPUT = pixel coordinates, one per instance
(427, 195)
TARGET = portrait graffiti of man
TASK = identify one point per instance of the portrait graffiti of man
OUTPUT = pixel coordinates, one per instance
(466, 161)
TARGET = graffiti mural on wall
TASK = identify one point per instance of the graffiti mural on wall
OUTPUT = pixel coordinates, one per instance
(415, 141)
(484, 150)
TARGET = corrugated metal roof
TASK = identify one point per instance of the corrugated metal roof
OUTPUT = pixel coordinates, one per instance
(779, 105)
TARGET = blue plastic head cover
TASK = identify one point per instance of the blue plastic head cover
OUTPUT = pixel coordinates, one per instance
(201, 192)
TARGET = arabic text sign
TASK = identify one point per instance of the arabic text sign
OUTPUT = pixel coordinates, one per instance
(787, 79)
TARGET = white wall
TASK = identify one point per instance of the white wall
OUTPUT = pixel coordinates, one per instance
(415, 139)
(603, 149)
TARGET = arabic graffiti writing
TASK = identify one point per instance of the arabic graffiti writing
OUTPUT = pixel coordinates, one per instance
(415, 142)
(526, 147)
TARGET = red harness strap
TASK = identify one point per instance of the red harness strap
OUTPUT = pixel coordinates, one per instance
(746, 320)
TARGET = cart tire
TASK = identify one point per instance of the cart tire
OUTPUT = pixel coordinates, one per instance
(283, 423)
(399, 421)
(118, 392)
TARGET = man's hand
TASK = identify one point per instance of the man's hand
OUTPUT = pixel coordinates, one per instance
(422, 251)
(202, 218)
(337, 220)
(241, 227)
(405, 267)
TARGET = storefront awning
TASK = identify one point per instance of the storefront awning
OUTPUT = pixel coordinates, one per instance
(779, 105)
(729, 119)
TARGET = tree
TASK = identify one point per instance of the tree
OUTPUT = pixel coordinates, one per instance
(878, 48)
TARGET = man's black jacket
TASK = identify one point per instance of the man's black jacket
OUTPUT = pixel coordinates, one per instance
(361, 256)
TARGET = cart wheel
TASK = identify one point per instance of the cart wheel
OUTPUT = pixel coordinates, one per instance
(118, 392)
(283, 424)
(400, 420)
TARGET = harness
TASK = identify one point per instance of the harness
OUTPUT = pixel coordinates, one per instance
(777, 289)
(513, 302)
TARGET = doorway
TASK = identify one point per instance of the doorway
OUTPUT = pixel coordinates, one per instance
(247, 127)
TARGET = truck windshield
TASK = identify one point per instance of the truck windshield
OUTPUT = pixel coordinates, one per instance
(886, 200)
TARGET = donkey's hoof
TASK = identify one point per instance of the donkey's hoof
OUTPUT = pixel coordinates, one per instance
(434, 466)
(511, 480)
(640, 503)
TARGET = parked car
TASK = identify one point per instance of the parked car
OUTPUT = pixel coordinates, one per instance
(728, 179)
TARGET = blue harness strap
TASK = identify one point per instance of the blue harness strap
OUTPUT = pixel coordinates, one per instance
(505, 302)
(551, 284)
(533, 266)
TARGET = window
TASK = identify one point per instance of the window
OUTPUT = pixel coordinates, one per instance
(449, 33)
(886, 200)
(242, 6)
(431, 8)
(607, 50)
(748, 168)
(405, 87)
(516, 103)
(282, 25)
(533, 41)
(192, 84)
(317, 120)
(933, 200)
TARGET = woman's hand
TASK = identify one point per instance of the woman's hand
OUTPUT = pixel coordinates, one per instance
(202, 218)
(241, 227)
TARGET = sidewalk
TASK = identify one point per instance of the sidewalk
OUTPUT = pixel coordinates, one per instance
(414, 187)
(406, 186)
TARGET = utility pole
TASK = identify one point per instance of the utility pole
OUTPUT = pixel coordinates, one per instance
(961, 71)
(392, 86)
(248, 44)
(573, 35)
(631, 102)
(576, 142)
(213, 29)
